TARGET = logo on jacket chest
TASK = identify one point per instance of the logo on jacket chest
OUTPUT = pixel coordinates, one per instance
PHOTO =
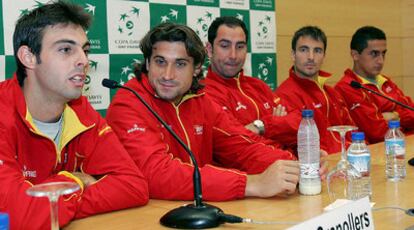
(388, 89)
(317, 105)
(198, 129)
(29, 173)
(135, 128)
(240, 106)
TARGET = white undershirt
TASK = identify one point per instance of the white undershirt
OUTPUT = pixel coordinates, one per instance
(52, 130)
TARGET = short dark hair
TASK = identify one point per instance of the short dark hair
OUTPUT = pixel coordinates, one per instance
(172, 32)
(30, 28)
(361, 37)
(311, 31)
(228, 21)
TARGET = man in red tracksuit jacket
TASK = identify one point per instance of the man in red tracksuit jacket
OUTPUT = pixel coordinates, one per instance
(50, 133)
(232, 165)
(372, 112)
(248, 99)
(306, 89)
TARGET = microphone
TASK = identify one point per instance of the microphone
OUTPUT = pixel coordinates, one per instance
(358, 85)
(411, 161)
(198, 215)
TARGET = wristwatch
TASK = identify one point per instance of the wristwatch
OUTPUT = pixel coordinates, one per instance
(259, 126)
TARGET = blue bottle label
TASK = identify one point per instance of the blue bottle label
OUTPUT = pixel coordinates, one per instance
(361, 162)
(395, 147)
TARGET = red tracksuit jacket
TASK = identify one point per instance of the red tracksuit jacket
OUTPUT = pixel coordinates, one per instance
(28, 157)
(204, 127)
(248, 99)
(366, 108)
(328, 106)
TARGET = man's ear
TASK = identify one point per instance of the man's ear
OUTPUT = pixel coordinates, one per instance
(26, 57)
(209, 49)
(354, 55)
(293, 55)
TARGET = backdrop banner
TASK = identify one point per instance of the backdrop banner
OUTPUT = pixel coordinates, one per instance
(119, 25)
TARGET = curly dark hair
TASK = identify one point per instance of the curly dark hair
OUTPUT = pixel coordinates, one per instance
(172, 32)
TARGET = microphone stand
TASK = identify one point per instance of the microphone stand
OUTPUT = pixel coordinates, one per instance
(358, 85)
(198, 215)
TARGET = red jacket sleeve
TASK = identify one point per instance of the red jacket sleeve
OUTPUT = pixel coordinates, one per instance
(23, 209)
(282, 129)
(237, 147)
(121, 185)
(364, 112)
(406, 115)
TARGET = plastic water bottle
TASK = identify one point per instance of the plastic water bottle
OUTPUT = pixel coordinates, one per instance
(4, 221)
(359, 157)
(395, 152)
(309, 155)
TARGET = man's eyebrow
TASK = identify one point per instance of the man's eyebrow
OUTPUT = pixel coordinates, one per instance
(183, 59)
(177, 59)
(224, 40)
(228, 41)
(72, 42)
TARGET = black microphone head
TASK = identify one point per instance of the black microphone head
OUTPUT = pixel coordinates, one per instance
(355, 84)
(411, 161)
(108, 83)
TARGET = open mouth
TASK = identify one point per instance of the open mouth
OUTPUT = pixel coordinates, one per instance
(78, 80)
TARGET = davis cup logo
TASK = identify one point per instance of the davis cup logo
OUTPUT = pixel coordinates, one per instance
(127, 72)
(90, 9)
(264, 27)
(203, 23)
(126, 21)
(93, 65)
(264, 68)
(27, 11)
(173, 14)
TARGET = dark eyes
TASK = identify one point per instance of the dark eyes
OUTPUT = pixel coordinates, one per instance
(68, 50)
(228, 45)
(316, 50)
(375, 54)
(162, 62)
(65, 49)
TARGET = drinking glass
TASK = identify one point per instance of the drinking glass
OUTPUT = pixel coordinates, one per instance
(340, 178)
(52, 191)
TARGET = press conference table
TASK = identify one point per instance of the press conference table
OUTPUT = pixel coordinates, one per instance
(293, 208)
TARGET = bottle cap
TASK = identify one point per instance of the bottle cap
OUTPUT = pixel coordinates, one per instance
(4, 220)
(394, 124)
(358, 136)
(307, 113)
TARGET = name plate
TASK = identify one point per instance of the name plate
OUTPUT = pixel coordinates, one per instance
(356, 215)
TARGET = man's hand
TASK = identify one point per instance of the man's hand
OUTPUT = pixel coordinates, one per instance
(85, 178)
(280, 178)
(390, 116)
(323, 170)
(279, 111)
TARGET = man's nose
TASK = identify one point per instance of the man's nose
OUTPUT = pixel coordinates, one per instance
(169, 72)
